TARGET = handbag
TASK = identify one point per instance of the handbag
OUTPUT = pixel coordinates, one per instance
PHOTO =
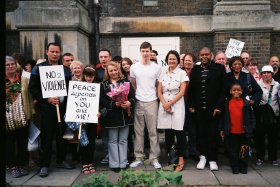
(173, 155)
(15, 116)
(267, 114)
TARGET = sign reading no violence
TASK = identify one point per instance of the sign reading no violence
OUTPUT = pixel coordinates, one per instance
(52, 81)
(82, 102)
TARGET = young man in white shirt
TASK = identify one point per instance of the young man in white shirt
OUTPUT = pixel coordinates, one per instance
(144, 78)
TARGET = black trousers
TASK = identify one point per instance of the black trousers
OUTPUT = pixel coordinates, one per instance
(16, 147)
(87, 152)
(181, 141)
(238, 146)
(271, 131)
(49, 130)
(130, 144)
(206, 136)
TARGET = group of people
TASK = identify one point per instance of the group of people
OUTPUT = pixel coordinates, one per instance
(209, 99)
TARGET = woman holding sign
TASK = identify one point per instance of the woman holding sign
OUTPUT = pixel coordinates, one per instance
(118, 97)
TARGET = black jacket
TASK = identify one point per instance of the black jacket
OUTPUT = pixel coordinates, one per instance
(215, 90)
(243, 81)
(116, 116)
(248, 119)
(35, 84)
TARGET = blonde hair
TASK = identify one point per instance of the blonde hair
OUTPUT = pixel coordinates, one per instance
(106, 74)
(76, 62)
(39, 61)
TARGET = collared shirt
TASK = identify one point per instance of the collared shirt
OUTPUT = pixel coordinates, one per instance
(274, 104)
(204, 73)
(12, 94)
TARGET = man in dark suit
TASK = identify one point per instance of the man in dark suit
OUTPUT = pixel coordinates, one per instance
(206, 99)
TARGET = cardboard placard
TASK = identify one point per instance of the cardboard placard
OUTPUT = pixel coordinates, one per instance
(234, 48)
(82, 102)
(52, 81)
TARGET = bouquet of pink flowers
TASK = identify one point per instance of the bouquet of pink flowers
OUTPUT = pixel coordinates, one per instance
(120, 93)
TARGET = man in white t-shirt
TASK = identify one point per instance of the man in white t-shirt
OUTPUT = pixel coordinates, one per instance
(144, 78)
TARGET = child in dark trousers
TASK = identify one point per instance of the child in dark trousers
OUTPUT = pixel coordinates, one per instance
(237, 125)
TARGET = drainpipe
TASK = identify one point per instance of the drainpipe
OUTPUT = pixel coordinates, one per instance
(96, 10)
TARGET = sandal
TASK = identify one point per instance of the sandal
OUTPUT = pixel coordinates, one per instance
(15, 172)
(22, 171)
(31, 163)
(85, 169)
(181, 164)
(91, 168)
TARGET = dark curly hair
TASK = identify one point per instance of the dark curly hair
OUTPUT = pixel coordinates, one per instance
(233, 59)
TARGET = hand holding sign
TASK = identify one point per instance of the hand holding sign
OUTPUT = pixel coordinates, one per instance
(53, 85)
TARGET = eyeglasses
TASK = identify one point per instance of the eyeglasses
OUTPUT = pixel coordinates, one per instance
(10, 65)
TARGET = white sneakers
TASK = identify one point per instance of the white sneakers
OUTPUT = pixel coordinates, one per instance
(213, 166)
(202, 162)
(136, 163)
(156, 164)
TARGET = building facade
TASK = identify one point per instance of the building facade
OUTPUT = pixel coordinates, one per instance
(84, 26)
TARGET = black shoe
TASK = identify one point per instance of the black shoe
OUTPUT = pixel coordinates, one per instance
(44, 172)
(235, 171)
(116, 170)
(65, 165)
(194, 157)
(243, 171)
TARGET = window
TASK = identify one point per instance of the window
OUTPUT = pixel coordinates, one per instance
(150, 2)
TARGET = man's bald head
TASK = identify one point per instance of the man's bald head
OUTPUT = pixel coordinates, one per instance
(221, 58)
(245, 56)
(274, 62)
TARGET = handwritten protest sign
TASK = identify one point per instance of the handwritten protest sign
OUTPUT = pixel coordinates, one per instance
(82, 102)
(234, 48)
(52, 81)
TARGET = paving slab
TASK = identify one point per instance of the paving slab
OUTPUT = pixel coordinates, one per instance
(19, 181)
(271, 176)
(199, 177)
(55, 178)
(225, 177)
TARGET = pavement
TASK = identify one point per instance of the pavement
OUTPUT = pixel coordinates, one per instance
(264, 175)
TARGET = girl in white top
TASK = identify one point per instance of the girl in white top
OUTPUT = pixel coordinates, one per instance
(171, 114)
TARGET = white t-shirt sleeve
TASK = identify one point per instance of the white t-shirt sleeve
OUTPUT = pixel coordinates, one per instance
(158, 72)
(184, 77)
(132, 71)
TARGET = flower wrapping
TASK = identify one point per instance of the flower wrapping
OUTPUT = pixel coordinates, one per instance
(120, 93)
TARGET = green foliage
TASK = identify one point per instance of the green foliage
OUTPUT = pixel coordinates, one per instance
(8, 185)
(135, 178)
(95, 181)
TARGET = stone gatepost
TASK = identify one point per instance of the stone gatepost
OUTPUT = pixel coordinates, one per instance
(64, 22)
(249, 21)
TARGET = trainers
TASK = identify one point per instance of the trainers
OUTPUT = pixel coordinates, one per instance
(259, 162)
(274, 163)
(135, 163)
(156, 164)
(213, 166)
(105, 160)
(202, 162)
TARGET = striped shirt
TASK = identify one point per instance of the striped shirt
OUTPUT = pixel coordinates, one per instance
(204, 73)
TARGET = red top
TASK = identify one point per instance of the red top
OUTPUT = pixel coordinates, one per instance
(236, 116)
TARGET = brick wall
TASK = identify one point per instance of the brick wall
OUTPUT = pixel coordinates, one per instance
(275, 45)
(275, 6)
(123, 8)
(113, 44)
(256, 44)
(12, 42)
(195, 43)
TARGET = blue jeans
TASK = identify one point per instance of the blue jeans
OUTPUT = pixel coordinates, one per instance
(189, 126)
